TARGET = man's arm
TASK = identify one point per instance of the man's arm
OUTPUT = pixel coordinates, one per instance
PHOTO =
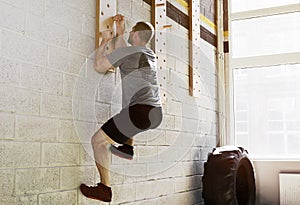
(101, 63)
(120, 30)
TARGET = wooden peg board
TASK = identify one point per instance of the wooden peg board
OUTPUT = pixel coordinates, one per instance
(105, 10)
(159, 20)
(194, 57)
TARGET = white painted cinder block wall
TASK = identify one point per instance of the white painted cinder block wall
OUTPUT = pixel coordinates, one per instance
(49, 109)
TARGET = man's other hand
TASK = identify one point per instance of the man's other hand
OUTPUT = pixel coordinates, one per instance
(120, 24)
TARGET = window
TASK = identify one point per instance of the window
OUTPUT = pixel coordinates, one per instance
(267, 110)
(265, 64)
(266, 35)
(239, 6)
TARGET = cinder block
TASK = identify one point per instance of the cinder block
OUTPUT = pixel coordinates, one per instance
(188, 140)
(124, 7)
(11, 17)
(86, 154)
(30, 6)
(1, 43)
(85, 130)
(41, 79)
(124, 193)
(199, 167)
(158, 201)
(190, 125)
(56, 11)
(7, 122)
(200, 140)
(82, 200)
(146, 154)
(190, 111)
(57, 106)
(81, 43)
(88, 25)
(107, 91)
(135, 172)
(184, 184)
(140, 13)
(156, 137)
(31, 181)
(142, 202)
(88, 7)
(189, 197)
(64, 60)
(173, 171)
(94, 112)
(174, 108)
(39, 28)
(155, 171)
(30, 200)
(27, 102)
(59, 198)
(10, 72)
(189, 168)
(19, 100)
(20, 47)
(141, 138)
(19, 154)
(7, 182)
(168, 122)
(36, 128)
(173, 49)
(158, 188)
(117, 174)
(204, 152)
(178, 123)
(66, 131)
(205, 127)
(60, 154)
(202, 113)
(164, 187)
(72, 177)
(212, 91)
(211, 141)
(169, 154)
(79, 87)
(69, 83)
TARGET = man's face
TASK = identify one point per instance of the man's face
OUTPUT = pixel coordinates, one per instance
(130, 38)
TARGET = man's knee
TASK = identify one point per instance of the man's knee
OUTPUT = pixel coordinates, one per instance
(100, 137)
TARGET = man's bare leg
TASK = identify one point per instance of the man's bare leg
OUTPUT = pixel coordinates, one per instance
(101, 146)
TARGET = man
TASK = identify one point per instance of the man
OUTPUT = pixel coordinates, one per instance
(141, 105)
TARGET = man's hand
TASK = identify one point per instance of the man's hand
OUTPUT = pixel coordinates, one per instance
(107, 35)
(120, 24)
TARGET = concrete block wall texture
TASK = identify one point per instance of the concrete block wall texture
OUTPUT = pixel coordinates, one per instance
(51, 103)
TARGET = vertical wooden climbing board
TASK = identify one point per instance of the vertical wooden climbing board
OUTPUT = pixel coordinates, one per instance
(194, 55)
(159, 19)
(105, 10)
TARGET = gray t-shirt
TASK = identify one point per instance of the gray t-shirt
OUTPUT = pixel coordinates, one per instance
(138, 74)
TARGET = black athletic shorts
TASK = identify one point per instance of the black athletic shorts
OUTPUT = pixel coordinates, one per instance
(131, 121)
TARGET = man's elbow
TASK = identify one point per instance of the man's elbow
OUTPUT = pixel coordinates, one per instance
(99, 68)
